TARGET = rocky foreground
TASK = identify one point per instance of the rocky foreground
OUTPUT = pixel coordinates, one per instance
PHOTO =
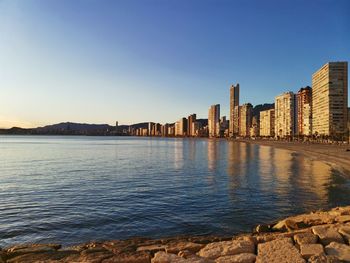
(315, 237)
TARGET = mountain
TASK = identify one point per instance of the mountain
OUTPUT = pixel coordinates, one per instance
(261, 107)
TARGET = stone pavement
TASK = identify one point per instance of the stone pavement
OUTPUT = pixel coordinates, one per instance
(316, 237)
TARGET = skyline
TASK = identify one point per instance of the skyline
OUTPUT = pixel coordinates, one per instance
(133, 62)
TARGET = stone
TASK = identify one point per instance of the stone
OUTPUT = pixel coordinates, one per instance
(327, 234)
(138, 257)
(338, 211)
(152, 248)
(240, 258)
(322, 258)
(162, 257)
(343, 218)
(305, 238)
(309, 250)
(341, 251)
(32, 249)
(226, 248)
(53, 256)
(286, 225)
(279, 251)
(175, 248)
(345, 232)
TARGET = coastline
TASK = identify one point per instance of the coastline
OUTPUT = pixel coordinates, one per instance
(335, 155)
(321, 236)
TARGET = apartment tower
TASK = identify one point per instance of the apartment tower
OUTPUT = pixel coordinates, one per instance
(304, 111)
(246, 116)
(285, 116)
(267, 123)
(330, 100)
(214, 121)
(234, 102)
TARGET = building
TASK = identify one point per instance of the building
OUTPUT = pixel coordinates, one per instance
(246, 117)
(236, 120)
(285, 117)
(214, 120)
(304, 111)
(267, 123)
(191, 119)
(223, 127)
(330, 100)
(254, 130)
(181, 127)
(234, 102)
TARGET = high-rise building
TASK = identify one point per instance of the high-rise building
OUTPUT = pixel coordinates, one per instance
(285, 116)
(304, 112)
(246, 116)
(214, 120)
(181, 127)
(234, 102)
(330, 100)
(191, 119)
(254, 130)
(236, 120)
(267, 123)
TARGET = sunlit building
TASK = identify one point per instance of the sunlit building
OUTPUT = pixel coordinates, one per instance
(285, 116)
(246, 117)
(304, 111)
(267, 123)
(234, 102)
(191, 119)
(214, 120)
(330, 99)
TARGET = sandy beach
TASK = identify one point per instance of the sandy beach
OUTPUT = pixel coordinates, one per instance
(335, 155)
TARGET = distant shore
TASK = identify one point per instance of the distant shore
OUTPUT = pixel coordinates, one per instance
(334, 155)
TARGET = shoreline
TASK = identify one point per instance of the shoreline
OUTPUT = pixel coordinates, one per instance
(321, 236)
(336, 156)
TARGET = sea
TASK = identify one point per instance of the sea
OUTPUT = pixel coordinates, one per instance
(75, 189)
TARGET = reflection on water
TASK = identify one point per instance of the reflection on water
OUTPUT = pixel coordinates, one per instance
(75, 189)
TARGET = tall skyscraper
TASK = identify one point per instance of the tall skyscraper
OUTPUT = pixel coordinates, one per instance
(267, 123)
(330, 99)
(234, 102)
(304, 111)
(285, 116)
(214, 120)
(246, 116)
(191, 119)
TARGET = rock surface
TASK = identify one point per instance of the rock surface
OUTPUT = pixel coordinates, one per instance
(318, 237)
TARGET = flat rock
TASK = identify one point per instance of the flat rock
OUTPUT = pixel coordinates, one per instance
(345, 232)
(138, 257)
(323, 258)
(175, 248)
(341, 251)
(152, 248)
(327, 234)
(163, 257)
(240, 258)
(226, 248)
(56, 256)
(279, 251)
(309, 250)
(343, 218)
(305, 238)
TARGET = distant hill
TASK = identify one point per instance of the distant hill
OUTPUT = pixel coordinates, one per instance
(261, 107)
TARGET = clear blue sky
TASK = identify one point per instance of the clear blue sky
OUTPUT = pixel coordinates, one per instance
(158, 60)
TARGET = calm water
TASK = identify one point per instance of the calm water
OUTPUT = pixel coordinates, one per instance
(75, 189)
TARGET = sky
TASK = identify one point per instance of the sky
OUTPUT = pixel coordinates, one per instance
(100, 61)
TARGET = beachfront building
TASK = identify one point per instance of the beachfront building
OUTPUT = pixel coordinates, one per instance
(254, 130)
(330, 100)
(304, 111)
(191, 119)
(234, 102)
(267, 123)
(285, 116)
(246, 116)
(181, 127)
(214, 120)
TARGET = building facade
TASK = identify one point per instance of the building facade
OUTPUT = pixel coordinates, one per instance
(285, 115)
(234, 102)
(214, 120)
(330, 100)
(267, 123)
(304, 111)
(190, 120)
(246, 116)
